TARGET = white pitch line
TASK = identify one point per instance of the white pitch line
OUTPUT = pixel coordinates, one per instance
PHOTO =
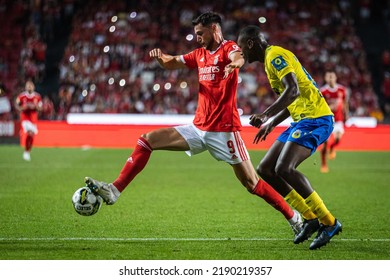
(5, 239)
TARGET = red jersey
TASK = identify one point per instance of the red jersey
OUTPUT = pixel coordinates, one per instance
(217, 102)
(33, 98)
(335, 97)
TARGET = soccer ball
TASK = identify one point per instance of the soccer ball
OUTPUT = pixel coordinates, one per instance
(85, 202)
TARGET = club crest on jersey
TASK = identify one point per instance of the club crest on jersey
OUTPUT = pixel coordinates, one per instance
(296, 134)
(216, 59)
(279, 63)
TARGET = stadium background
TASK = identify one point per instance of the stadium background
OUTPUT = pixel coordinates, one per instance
(92, 56)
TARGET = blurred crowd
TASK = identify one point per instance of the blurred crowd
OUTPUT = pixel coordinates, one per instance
(106, 68)
(22, 49)
(385, 87)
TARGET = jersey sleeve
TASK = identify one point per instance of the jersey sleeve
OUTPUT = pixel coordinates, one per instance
(189, 59)
(281, 65)
(231, 47)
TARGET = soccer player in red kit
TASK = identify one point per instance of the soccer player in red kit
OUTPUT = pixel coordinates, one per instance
(29, 103)
(337, 98)
(216, 126)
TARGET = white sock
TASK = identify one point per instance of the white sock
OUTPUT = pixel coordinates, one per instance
(295, 219)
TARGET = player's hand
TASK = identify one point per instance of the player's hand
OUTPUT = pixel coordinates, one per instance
(156, 53)
(263, 133)
(257, 120)
(230, 68)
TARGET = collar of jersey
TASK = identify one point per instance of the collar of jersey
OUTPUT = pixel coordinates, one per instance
(213, 52)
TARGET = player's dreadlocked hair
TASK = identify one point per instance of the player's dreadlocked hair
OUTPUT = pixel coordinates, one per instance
(207, 19)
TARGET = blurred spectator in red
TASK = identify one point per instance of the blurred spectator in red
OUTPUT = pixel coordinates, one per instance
(48, 111)
(386, 91)
(386, 61)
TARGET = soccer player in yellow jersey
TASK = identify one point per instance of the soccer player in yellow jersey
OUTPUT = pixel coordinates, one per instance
(300, 98)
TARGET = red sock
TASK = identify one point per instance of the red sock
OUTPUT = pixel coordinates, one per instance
(134, 164)
(29, 142)
(273, 198)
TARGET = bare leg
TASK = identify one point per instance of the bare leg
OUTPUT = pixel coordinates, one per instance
(266, 169)
(161, 139)
(166, 139)
(324, 164)
(291, 156)
(336, 141)
(248, 178)
(246, 174)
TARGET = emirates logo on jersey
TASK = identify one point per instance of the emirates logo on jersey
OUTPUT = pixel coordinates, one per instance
(208, 69)
(207, 73)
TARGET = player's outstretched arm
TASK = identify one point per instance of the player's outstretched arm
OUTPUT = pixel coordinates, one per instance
(237, 62)
(290, 93)
(167, 61)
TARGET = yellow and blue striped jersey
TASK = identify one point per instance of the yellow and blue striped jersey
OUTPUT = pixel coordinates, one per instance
(310, 103)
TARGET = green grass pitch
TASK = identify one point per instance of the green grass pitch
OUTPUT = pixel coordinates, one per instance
(182, 208)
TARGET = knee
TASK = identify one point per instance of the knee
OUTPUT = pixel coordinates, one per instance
(147, 139)
(148, 136)
(282, 170)
(264, 171)
(145, 135)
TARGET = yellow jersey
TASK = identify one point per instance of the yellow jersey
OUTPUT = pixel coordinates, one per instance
(310, 103)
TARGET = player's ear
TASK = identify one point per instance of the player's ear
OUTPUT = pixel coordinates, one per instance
(250, 43)
(214, 27)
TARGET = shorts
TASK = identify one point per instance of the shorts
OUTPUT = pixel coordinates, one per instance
(309, 133)
(338, 128)
(223, 146)
(28, 126)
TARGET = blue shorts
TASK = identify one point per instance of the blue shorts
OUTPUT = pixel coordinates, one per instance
(309, 133)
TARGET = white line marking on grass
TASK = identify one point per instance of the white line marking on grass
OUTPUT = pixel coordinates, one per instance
(174, 239)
